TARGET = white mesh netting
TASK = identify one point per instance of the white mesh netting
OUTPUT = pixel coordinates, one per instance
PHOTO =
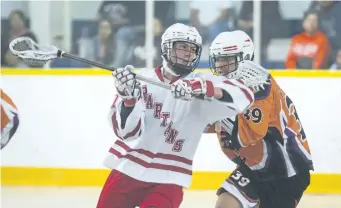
(32, 53)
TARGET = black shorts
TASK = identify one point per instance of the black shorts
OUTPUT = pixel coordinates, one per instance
(279, 193)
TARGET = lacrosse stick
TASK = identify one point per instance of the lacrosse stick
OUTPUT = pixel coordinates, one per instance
(38, 55)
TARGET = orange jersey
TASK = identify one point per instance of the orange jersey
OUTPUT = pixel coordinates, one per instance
(303, 47)
(270, 136)
(9, 119)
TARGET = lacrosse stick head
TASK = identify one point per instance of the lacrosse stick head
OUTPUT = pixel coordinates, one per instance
(32, 53)
(252, 74)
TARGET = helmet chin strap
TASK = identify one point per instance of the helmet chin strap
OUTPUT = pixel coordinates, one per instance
(166, 68)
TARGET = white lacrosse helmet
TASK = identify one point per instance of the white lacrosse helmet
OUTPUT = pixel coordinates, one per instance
(238, 44)
(248, 48)
(227, 49)
(180, 33)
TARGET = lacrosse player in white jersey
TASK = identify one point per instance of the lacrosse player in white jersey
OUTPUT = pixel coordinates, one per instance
(267, 141)
(159, 130)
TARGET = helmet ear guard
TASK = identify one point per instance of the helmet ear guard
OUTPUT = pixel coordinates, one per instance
(248, 46)
(249, 57)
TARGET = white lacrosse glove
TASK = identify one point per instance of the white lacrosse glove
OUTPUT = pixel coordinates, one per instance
(181, 90)
(187, 88)
(225, 127)
(126, 85)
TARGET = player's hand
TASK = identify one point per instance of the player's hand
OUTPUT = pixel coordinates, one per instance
(201, 88)
(181, 90)
(225, 140)
(225, 128)
(127, 86)
(187, 88)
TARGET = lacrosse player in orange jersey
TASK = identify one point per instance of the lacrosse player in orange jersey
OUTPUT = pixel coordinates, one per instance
(9, 119)
(267, 141)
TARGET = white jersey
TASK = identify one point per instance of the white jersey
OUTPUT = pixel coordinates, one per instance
(161, 134)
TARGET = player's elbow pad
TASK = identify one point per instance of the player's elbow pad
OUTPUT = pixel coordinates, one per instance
(238, 97)
(130, 127)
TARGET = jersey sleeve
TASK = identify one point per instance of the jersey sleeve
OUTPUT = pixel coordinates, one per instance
(253, 124)
(239, 99)
(127, 122)
(9, 119)
(210, 128)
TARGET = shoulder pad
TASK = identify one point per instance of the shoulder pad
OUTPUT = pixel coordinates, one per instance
(264, 93)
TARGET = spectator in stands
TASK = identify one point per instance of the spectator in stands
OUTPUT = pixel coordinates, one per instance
(330, 23)
(337, 64)
(126, 24)
(101, 47)
(140, 50)
(19, 28)
(211, 18)
(310, 49)
(273, 25)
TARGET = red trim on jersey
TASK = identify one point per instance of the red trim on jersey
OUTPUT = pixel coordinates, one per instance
(130, 102)
(246, 92)
(159, 73)
(160, 76)
(151, 165)
(154, 155)
(129, 134)
(175, 79)
(240, 81)
(115, 125)
(134, 131)
(114, 103)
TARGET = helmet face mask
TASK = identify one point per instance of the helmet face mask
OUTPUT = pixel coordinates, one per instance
(181, 47)
(223, 65)
(226, 52)
(181, 56)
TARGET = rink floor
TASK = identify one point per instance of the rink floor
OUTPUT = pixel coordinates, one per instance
(86, 197)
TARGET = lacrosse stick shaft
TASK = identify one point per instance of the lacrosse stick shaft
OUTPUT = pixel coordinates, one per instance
(103, 66)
